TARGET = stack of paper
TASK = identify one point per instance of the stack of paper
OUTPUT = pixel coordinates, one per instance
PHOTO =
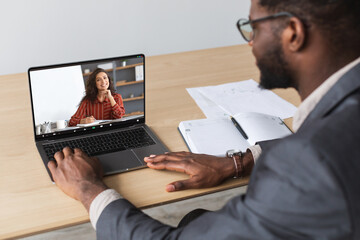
(238, 97)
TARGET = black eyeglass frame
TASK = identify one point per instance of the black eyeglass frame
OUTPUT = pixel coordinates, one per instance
(276, 15)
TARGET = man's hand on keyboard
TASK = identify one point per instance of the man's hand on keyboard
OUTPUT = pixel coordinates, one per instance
(77, 175)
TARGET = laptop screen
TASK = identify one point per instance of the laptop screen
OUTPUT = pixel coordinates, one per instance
(77, 98)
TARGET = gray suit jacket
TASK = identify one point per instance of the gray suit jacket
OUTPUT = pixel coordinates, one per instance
(305, 186)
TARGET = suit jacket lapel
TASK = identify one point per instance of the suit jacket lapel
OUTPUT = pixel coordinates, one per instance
(347, 84)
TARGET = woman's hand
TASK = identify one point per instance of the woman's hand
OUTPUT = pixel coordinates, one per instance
(110, 97)
(108, 94)
(90, 119)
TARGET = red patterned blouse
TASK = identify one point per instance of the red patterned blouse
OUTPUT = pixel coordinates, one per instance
(99, 110)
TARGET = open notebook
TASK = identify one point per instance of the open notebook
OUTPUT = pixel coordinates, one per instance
(216, 136)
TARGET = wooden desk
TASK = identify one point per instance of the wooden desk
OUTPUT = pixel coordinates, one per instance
(30, 203)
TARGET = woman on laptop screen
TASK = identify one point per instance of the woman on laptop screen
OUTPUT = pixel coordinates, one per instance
(100, 101)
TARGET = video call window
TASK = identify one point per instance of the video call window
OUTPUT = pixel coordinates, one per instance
(58, 94)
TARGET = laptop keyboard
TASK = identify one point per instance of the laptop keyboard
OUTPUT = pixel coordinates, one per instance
(106, 143)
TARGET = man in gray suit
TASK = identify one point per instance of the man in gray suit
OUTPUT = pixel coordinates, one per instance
(305, 186)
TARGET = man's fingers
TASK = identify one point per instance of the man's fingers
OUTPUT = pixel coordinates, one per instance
(157, 158)
(52, 167)
(178, 166)
(91, 160)
(59, 156)
(78, 151)
(182, 153)
(176, 156)
(67, 151)
(182, 185)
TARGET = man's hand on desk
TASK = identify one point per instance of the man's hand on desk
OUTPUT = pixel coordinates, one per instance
(204, 170)
(80, 176)
(77, 175)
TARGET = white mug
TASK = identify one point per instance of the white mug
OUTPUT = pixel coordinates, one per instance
(60, 124)
(38, 129)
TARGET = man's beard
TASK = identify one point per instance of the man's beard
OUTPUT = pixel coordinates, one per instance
(274, 70)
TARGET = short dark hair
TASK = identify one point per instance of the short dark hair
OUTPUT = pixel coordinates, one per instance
(339, 20)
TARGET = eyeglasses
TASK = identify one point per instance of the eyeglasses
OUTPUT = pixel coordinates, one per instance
(245, 25)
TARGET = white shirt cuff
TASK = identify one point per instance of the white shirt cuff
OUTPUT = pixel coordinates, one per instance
(256, 152)
(99, 204)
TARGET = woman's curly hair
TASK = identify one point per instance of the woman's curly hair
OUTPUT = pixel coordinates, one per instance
(91, 90)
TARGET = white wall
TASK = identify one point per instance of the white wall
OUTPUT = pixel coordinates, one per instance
(43, 32)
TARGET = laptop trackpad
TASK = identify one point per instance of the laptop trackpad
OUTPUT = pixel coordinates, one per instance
(119, 161)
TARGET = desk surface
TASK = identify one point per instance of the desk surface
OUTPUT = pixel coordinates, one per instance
(30, 203)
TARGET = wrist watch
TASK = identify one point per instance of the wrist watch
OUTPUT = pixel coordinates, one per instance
(237, 157)
(230, 153)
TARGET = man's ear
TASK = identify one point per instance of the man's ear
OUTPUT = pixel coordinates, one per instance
(294, 35)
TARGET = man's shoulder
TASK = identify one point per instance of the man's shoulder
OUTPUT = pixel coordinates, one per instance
(318, 150)
(336, 131)
(292, 180)
(334, 136)
(326, 140)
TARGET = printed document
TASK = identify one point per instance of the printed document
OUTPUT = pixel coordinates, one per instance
(238, 97)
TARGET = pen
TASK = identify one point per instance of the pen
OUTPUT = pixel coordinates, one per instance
(237, 125)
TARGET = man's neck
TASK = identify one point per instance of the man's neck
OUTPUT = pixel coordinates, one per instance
(318, 70)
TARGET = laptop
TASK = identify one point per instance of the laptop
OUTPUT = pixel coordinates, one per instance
(119, 142)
